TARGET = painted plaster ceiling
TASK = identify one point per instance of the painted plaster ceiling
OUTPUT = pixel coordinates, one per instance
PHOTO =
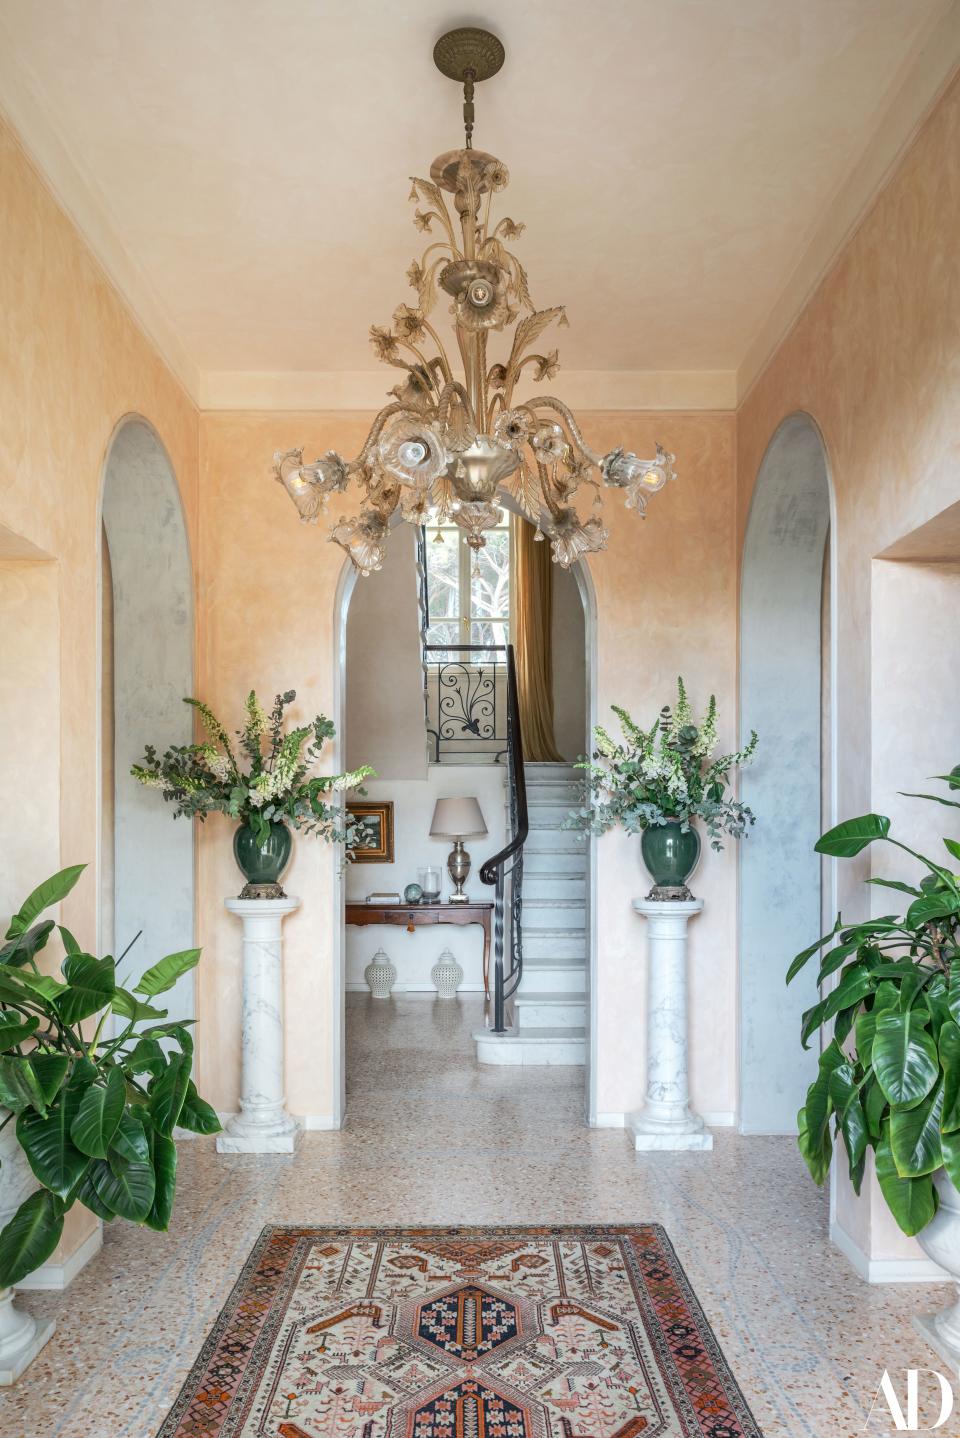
(673, 160)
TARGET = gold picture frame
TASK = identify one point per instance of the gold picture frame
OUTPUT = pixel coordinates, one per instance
(375, 820)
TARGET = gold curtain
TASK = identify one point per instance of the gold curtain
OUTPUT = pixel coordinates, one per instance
(533, 613)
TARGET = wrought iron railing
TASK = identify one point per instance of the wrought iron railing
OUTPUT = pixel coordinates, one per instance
(505, 869)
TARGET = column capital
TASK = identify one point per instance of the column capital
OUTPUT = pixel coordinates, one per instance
(264, 908)
(674, 909)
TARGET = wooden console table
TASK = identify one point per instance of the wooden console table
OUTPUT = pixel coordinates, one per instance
(413, 916)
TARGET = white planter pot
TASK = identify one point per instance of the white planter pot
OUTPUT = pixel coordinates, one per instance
(381, 975)
(940, 1240)
(446, 975)
(21, 1337)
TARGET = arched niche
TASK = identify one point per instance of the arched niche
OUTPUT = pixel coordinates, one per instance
(782, 696)
(146, 669)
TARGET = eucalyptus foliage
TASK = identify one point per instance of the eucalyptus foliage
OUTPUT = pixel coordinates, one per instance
(889, 1080)
(663, 774)
(94, 1111)
(265, 779)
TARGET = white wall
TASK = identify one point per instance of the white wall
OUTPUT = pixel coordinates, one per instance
(385, 723)
(569, 666)
(414, 954)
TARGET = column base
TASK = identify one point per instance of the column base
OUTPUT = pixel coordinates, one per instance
(943, 1341)
(241, 1136)
(21, 1338)
(653, 1135)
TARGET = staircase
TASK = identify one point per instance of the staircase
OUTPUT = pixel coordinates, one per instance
(550, 1006)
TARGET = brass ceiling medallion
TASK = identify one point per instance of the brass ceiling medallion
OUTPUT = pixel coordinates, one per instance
(454, 434)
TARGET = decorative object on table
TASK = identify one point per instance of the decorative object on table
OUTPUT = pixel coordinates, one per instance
(889, 1080)
(448, 444)
(430, 883)
(656, 783)
(384, 897)
(91, 1099)
(458, 819)
(372, 842)
(380, 975)
(666, 1120)
(412, 894)
(266, 787)
(645, 1355)
(446, 975)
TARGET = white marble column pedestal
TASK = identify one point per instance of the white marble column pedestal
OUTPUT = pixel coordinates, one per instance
(263, 1124)
(666, 1120)
(21, 1336)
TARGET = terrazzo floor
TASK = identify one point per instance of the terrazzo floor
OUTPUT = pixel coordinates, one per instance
(432, 1137)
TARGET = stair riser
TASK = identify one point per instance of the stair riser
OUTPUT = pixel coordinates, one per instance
(554, 841)
(567, 888)
(561, 1051)
(553, 979)
(539, 793)
(542, 813)
(535, 862)
(541, 915)
(533, 1015)
(569, 944)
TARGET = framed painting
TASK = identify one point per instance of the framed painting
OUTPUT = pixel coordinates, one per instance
(375, 830)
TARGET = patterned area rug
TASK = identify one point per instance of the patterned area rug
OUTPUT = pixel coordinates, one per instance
(462, 1333)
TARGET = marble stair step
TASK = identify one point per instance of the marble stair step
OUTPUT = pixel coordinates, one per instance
(550, 1010)
(553, 914)
(555, 841)
(553, 861)
(542, 1046)
(553, 885)
(563, 945)
(553, 977)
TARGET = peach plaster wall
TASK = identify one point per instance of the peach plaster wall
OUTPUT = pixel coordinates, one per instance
(666, 601)
(874, 358)
(73, 364)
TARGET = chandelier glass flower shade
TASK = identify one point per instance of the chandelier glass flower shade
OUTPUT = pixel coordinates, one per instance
(454, 437)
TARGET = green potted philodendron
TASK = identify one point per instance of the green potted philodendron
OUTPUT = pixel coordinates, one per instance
(265, 783)
(658, 783)
(889, 1078)
(94, 1079)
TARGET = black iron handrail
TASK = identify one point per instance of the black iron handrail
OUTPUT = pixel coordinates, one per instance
(508, 863)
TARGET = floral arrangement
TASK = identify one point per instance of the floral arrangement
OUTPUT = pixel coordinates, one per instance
(663, 774)
(266, 783)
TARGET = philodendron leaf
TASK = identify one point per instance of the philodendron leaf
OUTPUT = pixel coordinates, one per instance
(130, 1139)
(167, 1094)
(51, 891)
(99, 1115)
(930, 908)
(164, 975)
(90, 986)
(14, 1029)
(949, 1050)
(51, 1153)
(915, 1136)
(852, 836)
(51, 1070)
(912, 1201)
(807, 954)
(30, 1237)
(126, 1188)
(904, 1058)
(21, 949)
(129, 1007)
(950, 1144)
(19, 1086)
(196, 1114)
(164, 1156)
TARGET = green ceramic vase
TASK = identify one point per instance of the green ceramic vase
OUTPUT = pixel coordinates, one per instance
(670, 854)
(262, 863)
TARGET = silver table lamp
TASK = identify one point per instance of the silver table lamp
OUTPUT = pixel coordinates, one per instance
(458, 819)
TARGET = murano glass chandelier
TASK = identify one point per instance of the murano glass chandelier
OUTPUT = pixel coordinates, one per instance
(454, 436)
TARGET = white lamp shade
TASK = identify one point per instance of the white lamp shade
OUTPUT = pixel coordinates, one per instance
(457, 819)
